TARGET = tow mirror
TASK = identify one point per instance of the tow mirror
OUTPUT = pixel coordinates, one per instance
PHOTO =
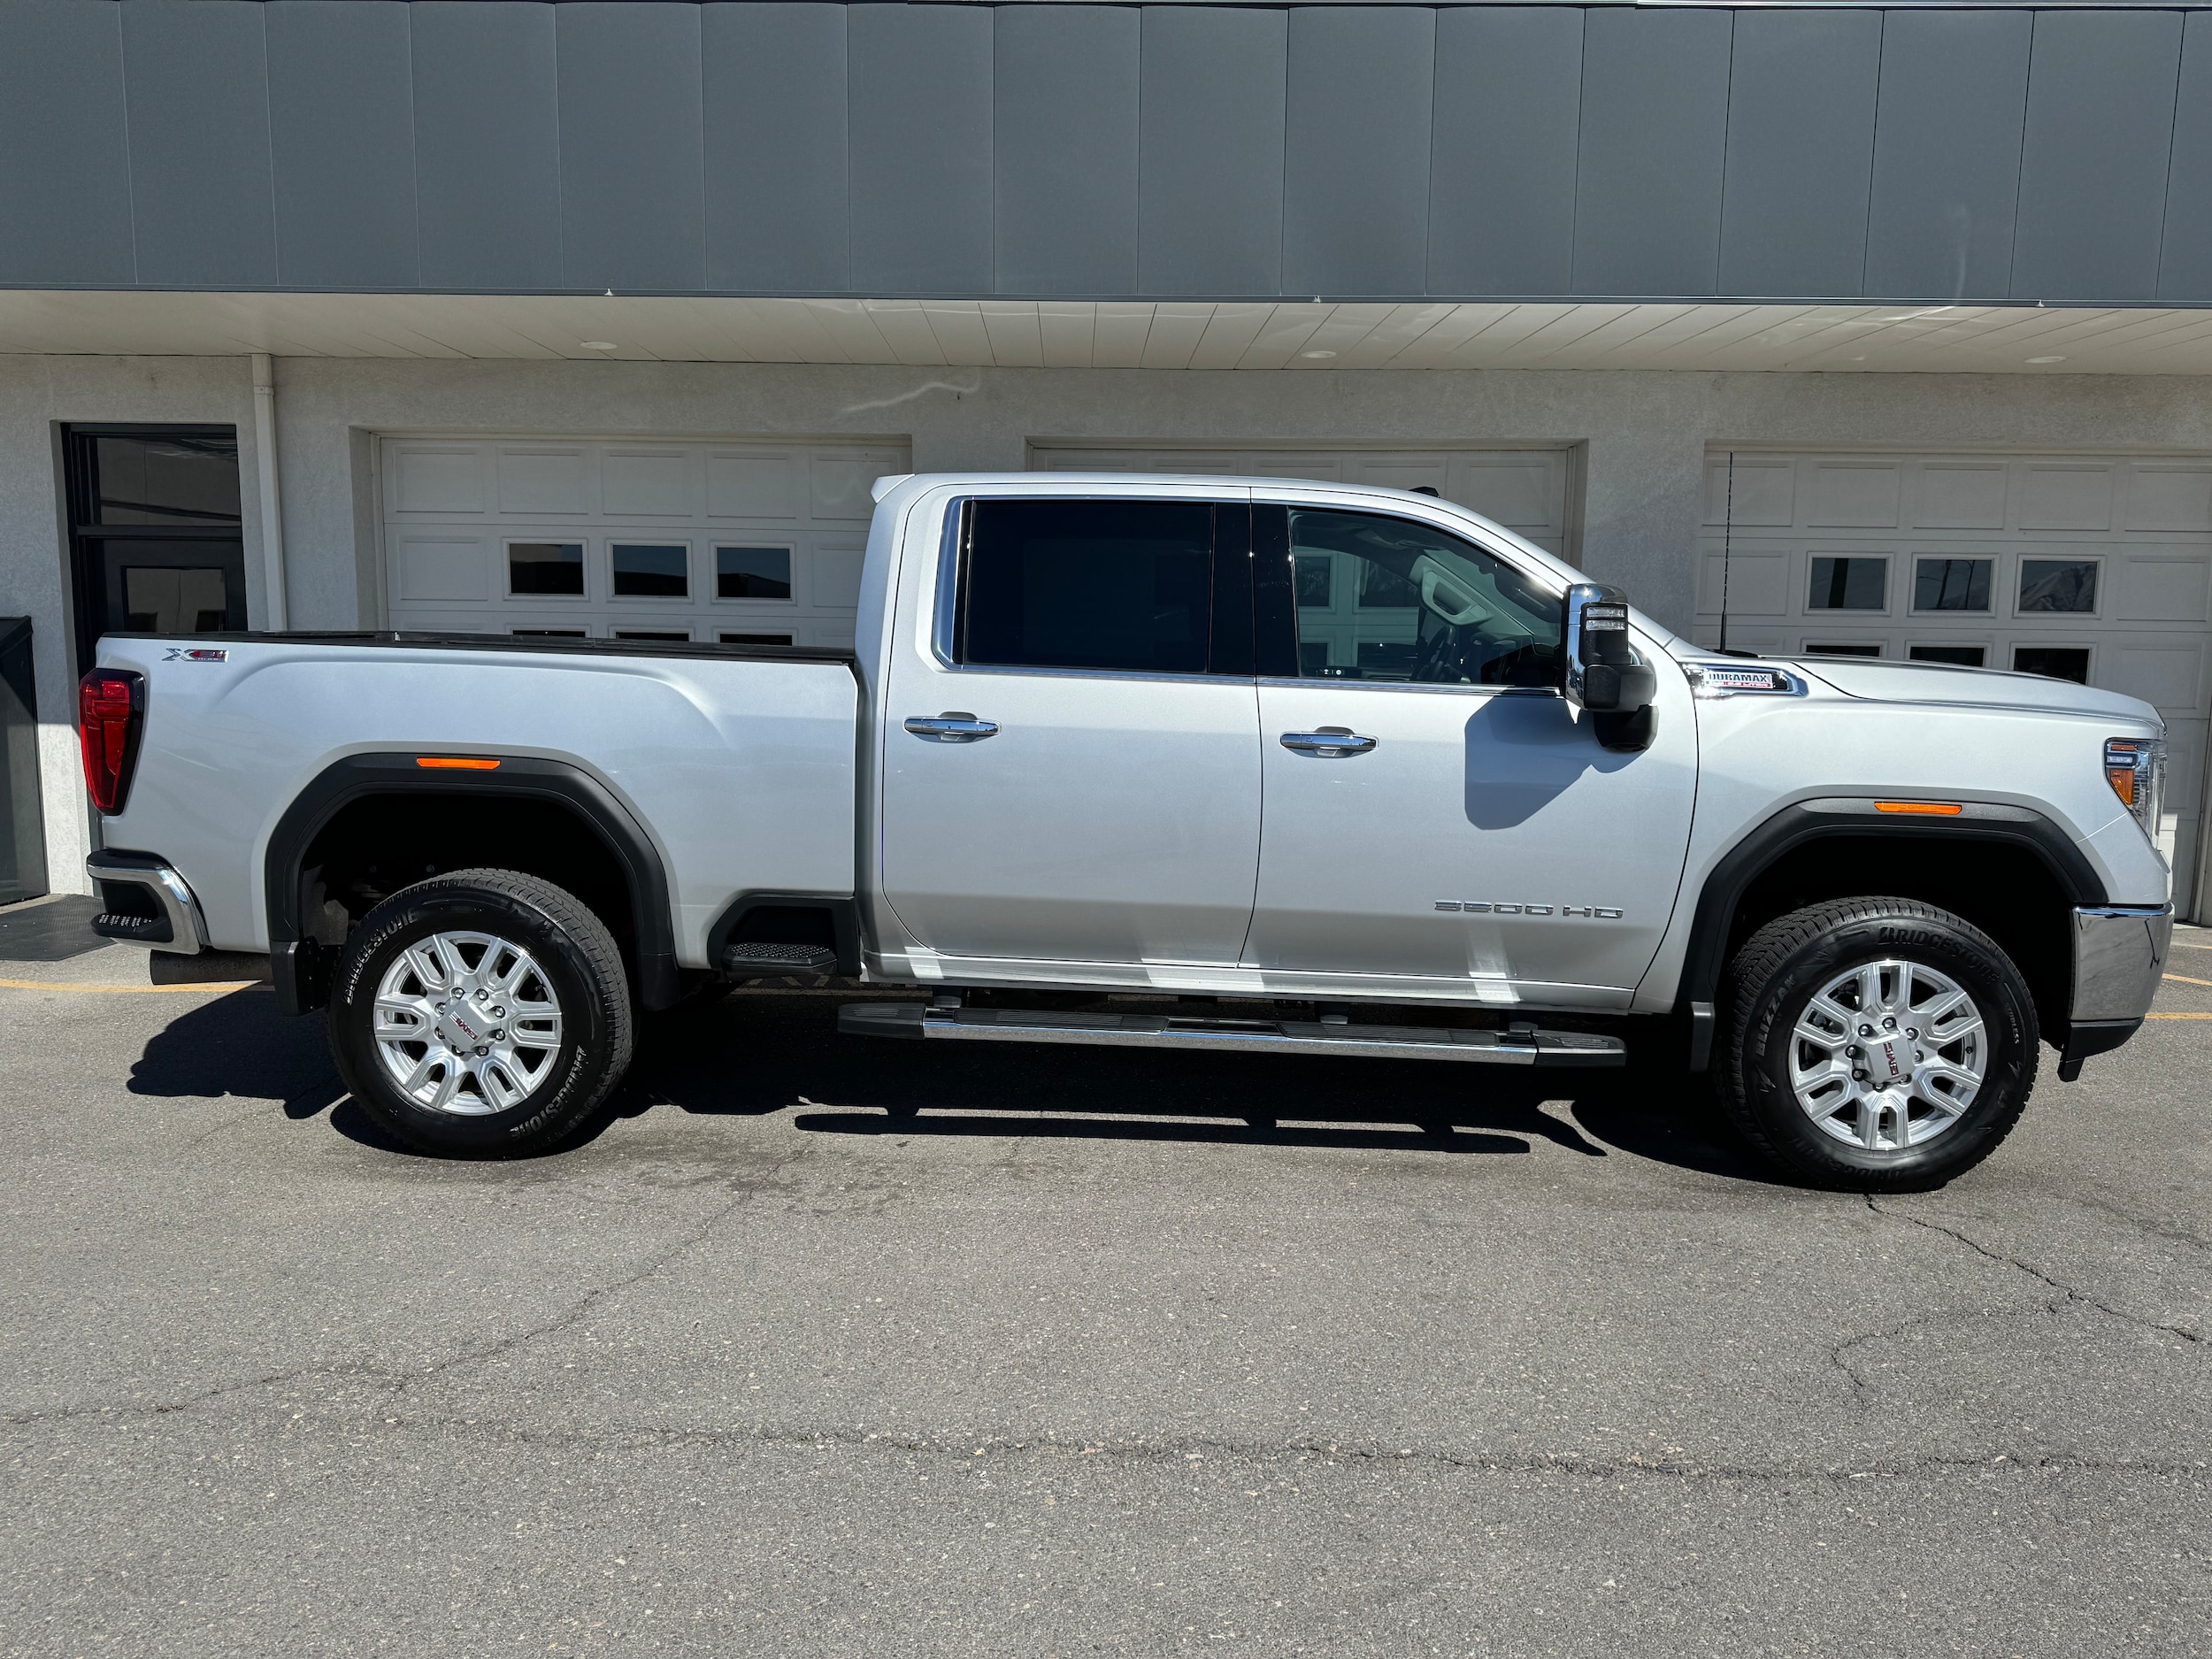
(1604, 674)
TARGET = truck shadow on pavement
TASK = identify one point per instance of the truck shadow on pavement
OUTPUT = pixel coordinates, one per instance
(722, 1060)
(761, 1056)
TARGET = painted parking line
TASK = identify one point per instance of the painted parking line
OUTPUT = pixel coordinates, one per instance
(2184, 979)
(121, 990)
(2178, 1017)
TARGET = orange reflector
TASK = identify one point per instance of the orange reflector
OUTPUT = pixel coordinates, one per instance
(1930, 808)
(457, 763)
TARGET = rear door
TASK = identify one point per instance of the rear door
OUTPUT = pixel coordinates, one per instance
(1071, 772)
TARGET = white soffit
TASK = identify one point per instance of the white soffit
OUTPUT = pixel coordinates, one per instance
(1117, 334)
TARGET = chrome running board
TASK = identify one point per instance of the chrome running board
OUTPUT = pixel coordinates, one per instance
(1521, 1045)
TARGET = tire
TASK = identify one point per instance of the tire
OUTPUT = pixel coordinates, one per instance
(483, 1090)
(1904, 1116)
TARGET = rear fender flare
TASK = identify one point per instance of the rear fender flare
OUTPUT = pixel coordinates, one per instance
(299, 965)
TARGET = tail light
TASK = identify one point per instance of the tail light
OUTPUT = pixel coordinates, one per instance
(2136, 769)
(110, 710)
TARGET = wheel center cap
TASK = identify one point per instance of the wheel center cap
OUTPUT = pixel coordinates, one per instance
(1890, 1058)
(465, 1027)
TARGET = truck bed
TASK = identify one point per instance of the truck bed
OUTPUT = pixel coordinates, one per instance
(736, 762)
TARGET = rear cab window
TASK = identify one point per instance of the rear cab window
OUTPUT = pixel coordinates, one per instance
(1101, 586)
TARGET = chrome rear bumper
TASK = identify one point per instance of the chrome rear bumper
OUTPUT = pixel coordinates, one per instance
(143, 902)
(2119, 952)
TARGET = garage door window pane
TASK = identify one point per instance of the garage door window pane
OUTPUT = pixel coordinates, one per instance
(2058, 662)
(1843, 650)
(1850, 584)
(752, 573)
(545, 567)
(654, 571)
(1124, 585)
(1951, 584)
(2058, 585)
(1958, 655)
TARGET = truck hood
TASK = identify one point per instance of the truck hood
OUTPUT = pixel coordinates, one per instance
(1881, 681)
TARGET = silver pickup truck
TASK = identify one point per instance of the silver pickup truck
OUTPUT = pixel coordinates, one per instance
(1178, 762)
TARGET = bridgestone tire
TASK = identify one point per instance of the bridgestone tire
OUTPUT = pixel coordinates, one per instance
(580, 963)
(1770, 985)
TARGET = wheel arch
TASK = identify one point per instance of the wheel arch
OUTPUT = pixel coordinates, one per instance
(299, 961)
(2017, 848)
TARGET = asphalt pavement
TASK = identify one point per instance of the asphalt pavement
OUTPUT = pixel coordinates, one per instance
(827, 1347)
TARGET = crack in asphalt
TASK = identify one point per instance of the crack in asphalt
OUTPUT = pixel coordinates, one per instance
(591, 1298)
(401, 1381)
(2070, 1293)
(2144, 1224)
(991, 1453)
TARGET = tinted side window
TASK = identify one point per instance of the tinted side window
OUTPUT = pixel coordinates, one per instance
(1381, 598)
(1122, 585)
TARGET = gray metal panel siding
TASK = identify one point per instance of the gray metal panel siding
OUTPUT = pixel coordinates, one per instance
(1065, 134)
(632, 196)
(341, 134)
(64, 179)
(1947, 155)
(1356, 153)
(778, 215)
(921, 148)
(1801, 147)
(195, 79)
(2184, 269)
(1210, 215)
(2093, 165)
(487, 146)
(1654, 120)
(1501, 178)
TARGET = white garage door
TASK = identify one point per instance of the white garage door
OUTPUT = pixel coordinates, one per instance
(745, 542)
(1525, 490)
(2092, 567)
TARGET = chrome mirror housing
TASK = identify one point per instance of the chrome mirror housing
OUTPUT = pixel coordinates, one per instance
(1604, 676)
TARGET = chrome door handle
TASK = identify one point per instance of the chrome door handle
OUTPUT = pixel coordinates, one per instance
(1327, 742)
(953, 728)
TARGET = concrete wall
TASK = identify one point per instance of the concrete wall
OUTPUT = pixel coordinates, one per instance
(38, 394)
(1644, 436)
(1645, 433)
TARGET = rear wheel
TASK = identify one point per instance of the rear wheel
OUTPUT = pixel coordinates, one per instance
(480, 1014)
(1878, 1044)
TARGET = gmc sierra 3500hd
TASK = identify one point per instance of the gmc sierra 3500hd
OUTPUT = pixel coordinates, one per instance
(1179, 762)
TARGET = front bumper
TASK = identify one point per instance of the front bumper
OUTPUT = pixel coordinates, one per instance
(143, 902)
(2120, 950)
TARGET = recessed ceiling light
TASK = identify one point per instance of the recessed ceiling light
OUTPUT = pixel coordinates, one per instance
(597, 345)
(1316, 354)
(2046, 359)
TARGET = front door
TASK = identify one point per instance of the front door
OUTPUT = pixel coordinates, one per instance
(1073, 773)
(1436, 813)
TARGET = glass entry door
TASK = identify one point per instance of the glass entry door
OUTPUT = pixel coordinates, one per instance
(157, 544)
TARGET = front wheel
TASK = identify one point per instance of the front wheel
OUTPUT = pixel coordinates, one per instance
(480, 1014)
(1877, 1044)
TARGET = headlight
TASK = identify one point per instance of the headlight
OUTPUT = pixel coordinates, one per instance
(2136, 769)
